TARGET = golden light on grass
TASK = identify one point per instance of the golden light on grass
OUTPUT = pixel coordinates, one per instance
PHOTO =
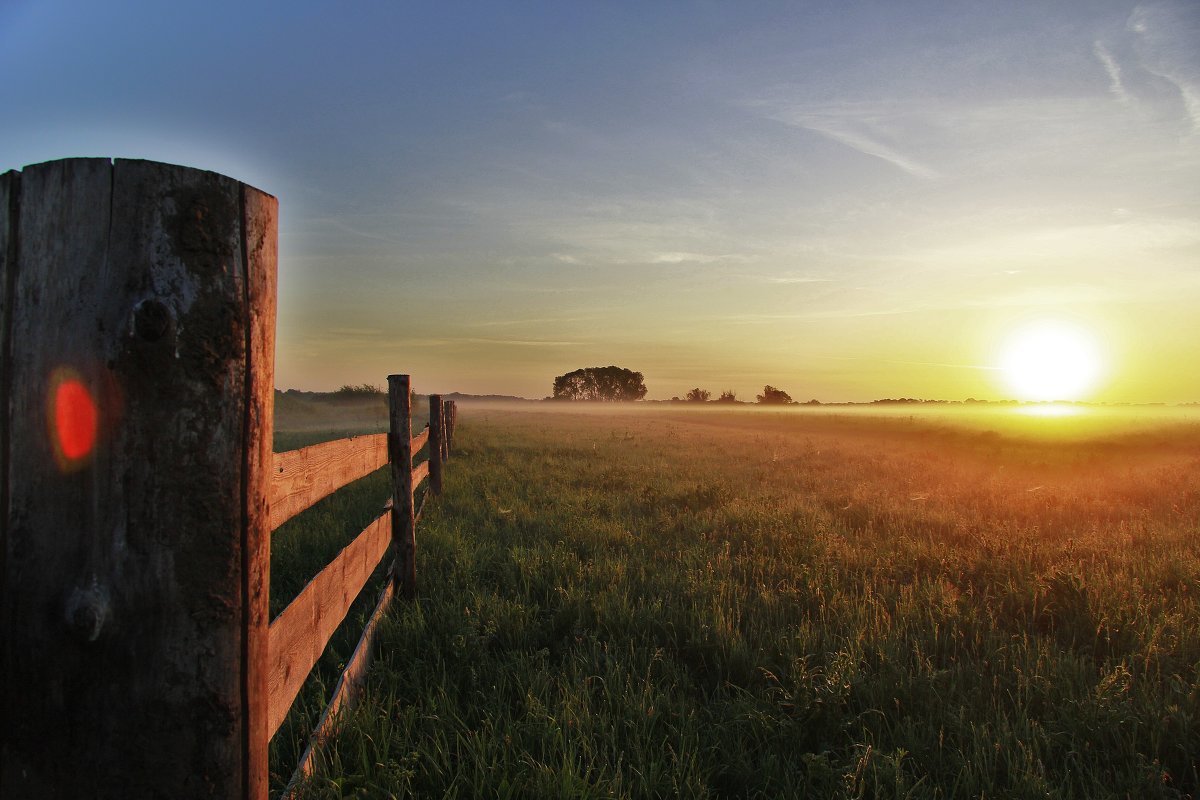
(1051, 360)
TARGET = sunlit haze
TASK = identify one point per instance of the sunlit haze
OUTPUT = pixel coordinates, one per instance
(848, 201)
(1050, 360)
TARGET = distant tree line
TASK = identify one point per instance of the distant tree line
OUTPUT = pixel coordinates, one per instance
(614, 383)
(349, 391)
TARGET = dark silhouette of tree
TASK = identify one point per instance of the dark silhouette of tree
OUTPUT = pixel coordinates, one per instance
(773, 396)
(699, 395)
(727, 396)
(600, 383)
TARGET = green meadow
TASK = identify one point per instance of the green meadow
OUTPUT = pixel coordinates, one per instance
(657, 602)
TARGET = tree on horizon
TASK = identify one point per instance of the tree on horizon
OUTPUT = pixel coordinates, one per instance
(773, 396)
(698, 395)
(610, 384)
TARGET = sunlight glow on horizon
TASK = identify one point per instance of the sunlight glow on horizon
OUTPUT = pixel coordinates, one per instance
(1051, 360)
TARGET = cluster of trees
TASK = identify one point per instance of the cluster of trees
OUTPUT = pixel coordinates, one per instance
(362, 390)
(770, 396)
(616, 383)
(600, 383)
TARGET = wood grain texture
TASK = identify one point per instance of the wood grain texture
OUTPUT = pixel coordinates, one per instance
(134, 583)
(420, 440)
(437, 440)
(299, 634)
(10, 193)
(444, 439)
(260, 235)
(301, 477)
(419, 473)
(404, 539)
(451, 420)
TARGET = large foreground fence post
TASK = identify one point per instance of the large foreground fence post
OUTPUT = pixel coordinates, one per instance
(404, 539)
(136, 372)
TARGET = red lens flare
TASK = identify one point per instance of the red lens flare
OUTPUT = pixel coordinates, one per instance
(74, 419)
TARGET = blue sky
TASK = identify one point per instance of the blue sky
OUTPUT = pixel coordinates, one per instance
(846, 200)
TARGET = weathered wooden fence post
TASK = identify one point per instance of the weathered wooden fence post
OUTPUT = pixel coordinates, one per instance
(437, 438)
(404, 540)
(445, 421)
(136, 376)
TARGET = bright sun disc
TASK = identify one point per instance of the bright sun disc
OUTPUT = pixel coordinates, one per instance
(1050, 361)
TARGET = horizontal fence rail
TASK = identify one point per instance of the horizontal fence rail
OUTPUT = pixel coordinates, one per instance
(299, 634)
(301, 477)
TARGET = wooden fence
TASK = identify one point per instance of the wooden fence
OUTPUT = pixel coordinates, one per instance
(299, 478)
(138, 490)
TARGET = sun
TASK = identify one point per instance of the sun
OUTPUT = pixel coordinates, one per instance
(1051, 360)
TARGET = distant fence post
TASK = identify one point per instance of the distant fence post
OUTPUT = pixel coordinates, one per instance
(437, 438)
(451, 419)
(136, 376)
(445, 442)
(404, 541)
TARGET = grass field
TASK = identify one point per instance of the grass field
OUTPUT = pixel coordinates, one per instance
(657, 602)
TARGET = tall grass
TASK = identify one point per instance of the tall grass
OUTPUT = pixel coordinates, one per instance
(785, 605)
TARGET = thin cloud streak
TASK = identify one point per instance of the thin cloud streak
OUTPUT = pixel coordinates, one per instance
(1115, 85)
(861, 126)
(504, 323)
(867, 146)
(904, 362)
(784, 280)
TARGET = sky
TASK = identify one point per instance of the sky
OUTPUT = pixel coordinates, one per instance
(845, 200)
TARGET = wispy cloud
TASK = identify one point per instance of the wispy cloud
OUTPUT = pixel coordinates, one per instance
(909, 363)
(502, 323)
(1115, 84)
(830, 314)
(682, 257)
(842, 133)
(355, 332)
(794, 279)
(519, 342)
(868, 128)
(1166, 35)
